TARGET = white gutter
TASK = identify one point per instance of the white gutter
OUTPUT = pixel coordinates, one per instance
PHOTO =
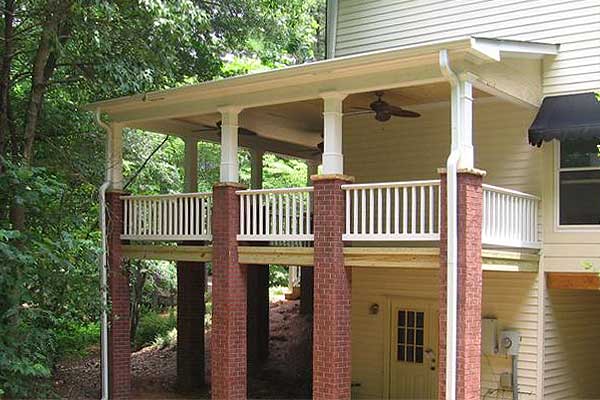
(103, 268)
(451, 206)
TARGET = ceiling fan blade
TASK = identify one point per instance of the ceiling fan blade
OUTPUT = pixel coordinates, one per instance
(355, 113)
(400, 112)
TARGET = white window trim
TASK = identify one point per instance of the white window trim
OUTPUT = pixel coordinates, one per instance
(557, 170)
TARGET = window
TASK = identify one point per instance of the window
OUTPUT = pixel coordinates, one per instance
(579, 183)
(411, 325)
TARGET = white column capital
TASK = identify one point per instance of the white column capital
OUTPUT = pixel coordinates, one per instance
(229, 143)
(230, 115)
(333, 159)
(114, 156)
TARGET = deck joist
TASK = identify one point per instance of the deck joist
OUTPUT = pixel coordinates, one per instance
(365, 257)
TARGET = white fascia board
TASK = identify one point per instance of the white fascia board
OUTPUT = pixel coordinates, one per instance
(282, 76)
(496, 49)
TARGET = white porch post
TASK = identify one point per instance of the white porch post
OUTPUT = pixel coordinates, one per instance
(114, 155)
(229, 144)
(190, 165)
(333, 159)
(464, 92)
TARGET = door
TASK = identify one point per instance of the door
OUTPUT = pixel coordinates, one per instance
(413, 349)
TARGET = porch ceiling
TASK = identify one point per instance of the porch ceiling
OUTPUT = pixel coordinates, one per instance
(284, 106)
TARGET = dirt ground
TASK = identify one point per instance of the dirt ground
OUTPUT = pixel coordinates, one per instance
(286, 374)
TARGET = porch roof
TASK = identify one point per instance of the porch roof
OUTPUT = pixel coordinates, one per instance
(509, 69)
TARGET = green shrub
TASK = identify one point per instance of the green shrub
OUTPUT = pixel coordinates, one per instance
(278, 275)
(73, 339)
(166, 340)
(153, 325)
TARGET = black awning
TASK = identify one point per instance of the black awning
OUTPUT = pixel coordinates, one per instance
(575, 116)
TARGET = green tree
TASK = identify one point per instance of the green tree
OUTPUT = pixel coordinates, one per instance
(56, 55)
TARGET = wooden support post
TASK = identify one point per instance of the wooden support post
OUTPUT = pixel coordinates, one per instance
(258, 288)
(191, 285)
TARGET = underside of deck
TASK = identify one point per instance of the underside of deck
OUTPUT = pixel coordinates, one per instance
(359, 257)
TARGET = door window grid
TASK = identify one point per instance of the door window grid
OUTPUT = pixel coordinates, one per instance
(411, 325)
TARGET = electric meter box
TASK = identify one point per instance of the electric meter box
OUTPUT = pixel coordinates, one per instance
(510, 342)
(489, 336)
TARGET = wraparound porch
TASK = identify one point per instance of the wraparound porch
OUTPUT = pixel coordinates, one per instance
(337, 216)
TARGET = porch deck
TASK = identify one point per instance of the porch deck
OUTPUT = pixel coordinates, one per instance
(391, 214)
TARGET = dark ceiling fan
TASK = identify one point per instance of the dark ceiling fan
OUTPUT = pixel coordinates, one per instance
(217, 130)
(383, 111)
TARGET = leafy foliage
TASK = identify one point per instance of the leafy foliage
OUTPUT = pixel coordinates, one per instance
(55, 56)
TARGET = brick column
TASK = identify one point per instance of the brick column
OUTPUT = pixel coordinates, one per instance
(119, 347)
(332, 293)
(228, 338)
(470, 279)
(190, 325)
(258, 314)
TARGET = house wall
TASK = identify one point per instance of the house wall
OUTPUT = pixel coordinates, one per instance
(571, 354)
(364, 26)
(412, 149)
(564, 249)
(509, 297)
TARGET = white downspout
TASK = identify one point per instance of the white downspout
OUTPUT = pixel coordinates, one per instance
(451, 203)
(104, 267)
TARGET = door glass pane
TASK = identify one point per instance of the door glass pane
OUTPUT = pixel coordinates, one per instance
(401, 318)
(420, 316)
(419, 355)
(411, 318)
(410, 354)
(419, 340)
(400, 335)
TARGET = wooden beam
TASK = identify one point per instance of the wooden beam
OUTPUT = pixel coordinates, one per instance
(168, 253)
(573, 280)
(357, 257)
(300, 256)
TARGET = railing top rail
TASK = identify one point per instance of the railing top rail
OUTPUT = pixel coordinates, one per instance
(278, 190)
(163, 196)
(516, 193)
(390, 184)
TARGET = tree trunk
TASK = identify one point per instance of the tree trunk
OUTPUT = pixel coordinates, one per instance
(5, 69)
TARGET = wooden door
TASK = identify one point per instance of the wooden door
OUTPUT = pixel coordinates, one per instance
(413, 350)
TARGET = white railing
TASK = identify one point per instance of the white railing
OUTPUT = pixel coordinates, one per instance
(276, 214)
(510, 218)
(167, 217)
(392, 211)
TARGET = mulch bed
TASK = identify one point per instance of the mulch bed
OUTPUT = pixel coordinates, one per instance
(286, 374)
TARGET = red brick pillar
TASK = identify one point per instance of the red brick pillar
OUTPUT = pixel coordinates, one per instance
(228, 338)
(470, 279)
(119, 347)
(190, 325)
(332, 293)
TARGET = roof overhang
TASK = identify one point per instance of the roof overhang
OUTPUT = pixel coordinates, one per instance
(508, 69)
(575, 116)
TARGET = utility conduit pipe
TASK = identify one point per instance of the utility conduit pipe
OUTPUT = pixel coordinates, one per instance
(104, 266)
(451, 205)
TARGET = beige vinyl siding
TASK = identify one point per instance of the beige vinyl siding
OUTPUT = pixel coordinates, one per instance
(405, 149)
(564, 249)
(509, 297)
(572, 354)
(365, 26)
